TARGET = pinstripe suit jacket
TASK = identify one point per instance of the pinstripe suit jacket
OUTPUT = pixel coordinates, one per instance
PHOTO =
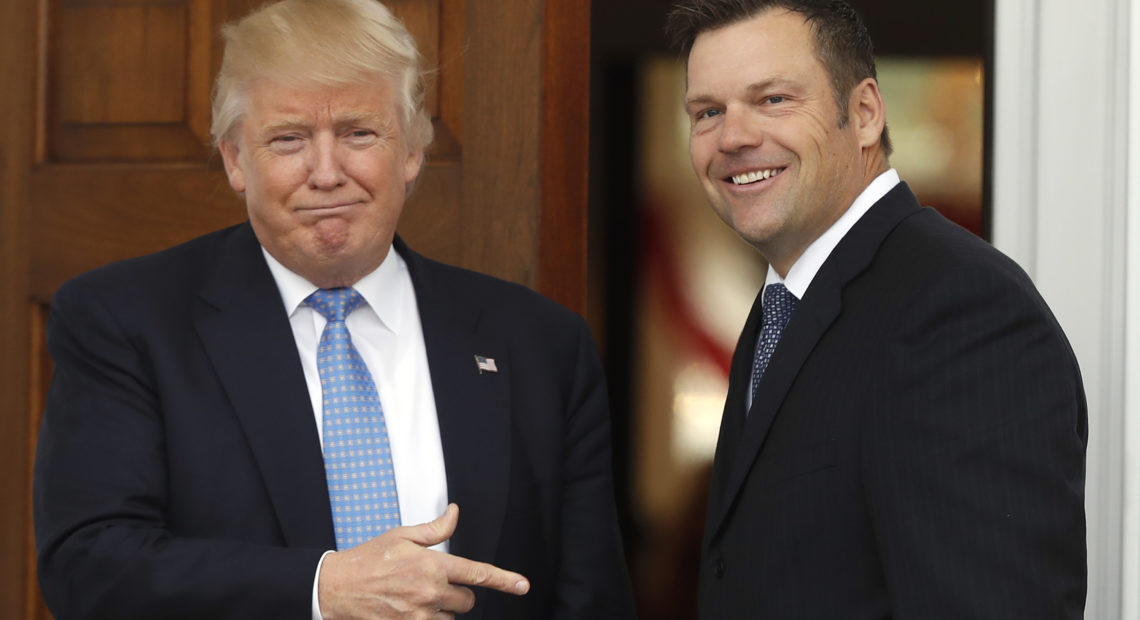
(915, 449)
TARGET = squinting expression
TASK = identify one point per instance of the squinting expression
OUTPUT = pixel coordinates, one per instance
(765, 141)
(324, 171)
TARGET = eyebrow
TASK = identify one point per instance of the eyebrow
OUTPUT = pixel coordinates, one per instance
(697, 101)
(348, 118)
(766, 85)
(360, 117)
(752, 90)
(280, 126)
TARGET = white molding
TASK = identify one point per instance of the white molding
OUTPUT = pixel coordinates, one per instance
(1116, 588)
(1130, 566)
(1016, 96)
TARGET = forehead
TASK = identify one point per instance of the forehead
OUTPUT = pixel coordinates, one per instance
(272, 102)
(774, 44)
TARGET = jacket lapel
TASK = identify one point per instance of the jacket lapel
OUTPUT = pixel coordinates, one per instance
(821, 305)
(473, 406)
(733, 418)
(247, 336)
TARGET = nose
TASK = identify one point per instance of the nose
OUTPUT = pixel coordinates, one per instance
(326, 171)
(738, 131)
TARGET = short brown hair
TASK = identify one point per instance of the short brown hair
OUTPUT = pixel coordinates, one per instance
(842, 42)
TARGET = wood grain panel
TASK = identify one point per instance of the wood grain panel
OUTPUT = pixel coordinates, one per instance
(92, 215)
(120, 64)
(422, 19)
(565, 153)
(200, 67)
(39, 369)
(431, 219)
(128, 81)
(93, 143)
(431, 222)
(501, 109)
(450, 83)
(17, 103)
(438, 30)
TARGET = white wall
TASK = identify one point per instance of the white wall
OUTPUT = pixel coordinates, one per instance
(1064, 135)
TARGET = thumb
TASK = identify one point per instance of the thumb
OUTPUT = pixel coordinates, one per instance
(434, 532)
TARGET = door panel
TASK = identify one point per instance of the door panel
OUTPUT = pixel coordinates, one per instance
(105, 155)
(127, 81)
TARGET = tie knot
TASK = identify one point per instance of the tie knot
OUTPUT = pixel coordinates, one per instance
(779, 303)
(335, 303)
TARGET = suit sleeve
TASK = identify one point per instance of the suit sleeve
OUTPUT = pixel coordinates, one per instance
(104, 545)
(592, 580)
(975, 455)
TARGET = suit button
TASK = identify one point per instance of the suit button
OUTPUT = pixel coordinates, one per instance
(718, 568)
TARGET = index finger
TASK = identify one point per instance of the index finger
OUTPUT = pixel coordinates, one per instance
(471, 573)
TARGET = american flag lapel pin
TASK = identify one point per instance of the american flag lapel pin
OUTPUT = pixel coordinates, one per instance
(485, 364)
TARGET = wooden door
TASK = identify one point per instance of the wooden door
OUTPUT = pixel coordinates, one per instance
(103, 155)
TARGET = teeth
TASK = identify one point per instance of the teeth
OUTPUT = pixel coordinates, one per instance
(756, 175)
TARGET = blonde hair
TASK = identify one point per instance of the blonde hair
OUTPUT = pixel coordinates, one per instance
(320, 42)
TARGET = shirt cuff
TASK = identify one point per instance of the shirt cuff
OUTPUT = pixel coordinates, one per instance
(316, 580)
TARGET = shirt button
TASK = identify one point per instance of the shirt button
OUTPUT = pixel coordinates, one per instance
(718, 568)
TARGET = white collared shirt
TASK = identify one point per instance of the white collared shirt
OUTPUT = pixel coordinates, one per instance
(803, 271)
(807, 265)
(387, 333)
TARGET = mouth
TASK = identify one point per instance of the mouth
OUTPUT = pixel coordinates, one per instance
(332, 206)
(754, 176)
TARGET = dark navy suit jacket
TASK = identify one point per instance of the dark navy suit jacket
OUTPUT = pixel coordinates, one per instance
(916, 446)
(179, 471)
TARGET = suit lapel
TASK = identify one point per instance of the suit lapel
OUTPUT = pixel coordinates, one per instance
(812, 317)
(732, 420)
(821, 305)
(247, 336)
(473, 407)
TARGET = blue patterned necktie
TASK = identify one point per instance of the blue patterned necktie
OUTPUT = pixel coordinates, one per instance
(358, 459)
(779, 303)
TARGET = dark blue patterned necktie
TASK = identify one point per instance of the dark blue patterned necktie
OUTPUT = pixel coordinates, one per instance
(779, 303)
(358, 459)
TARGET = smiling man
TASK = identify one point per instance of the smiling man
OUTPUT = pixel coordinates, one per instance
(905, 428)
(278, 420)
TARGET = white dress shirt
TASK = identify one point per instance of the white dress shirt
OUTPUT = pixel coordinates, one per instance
(803, 271)
(387, 333)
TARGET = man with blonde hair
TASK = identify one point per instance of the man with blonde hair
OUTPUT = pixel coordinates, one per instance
(282, 419)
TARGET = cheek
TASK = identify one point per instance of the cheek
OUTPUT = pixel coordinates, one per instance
(379, 176)
(699, 155)
(279, 178)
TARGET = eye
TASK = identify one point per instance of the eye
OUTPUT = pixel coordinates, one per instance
(360, 136)
(774, 99)
(707, 113)
(287, 143)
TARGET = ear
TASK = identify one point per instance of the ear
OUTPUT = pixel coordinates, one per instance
(866, 112)
(230, 152)
(413, 165)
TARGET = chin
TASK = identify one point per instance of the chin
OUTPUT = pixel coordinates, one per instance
(755, 234)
